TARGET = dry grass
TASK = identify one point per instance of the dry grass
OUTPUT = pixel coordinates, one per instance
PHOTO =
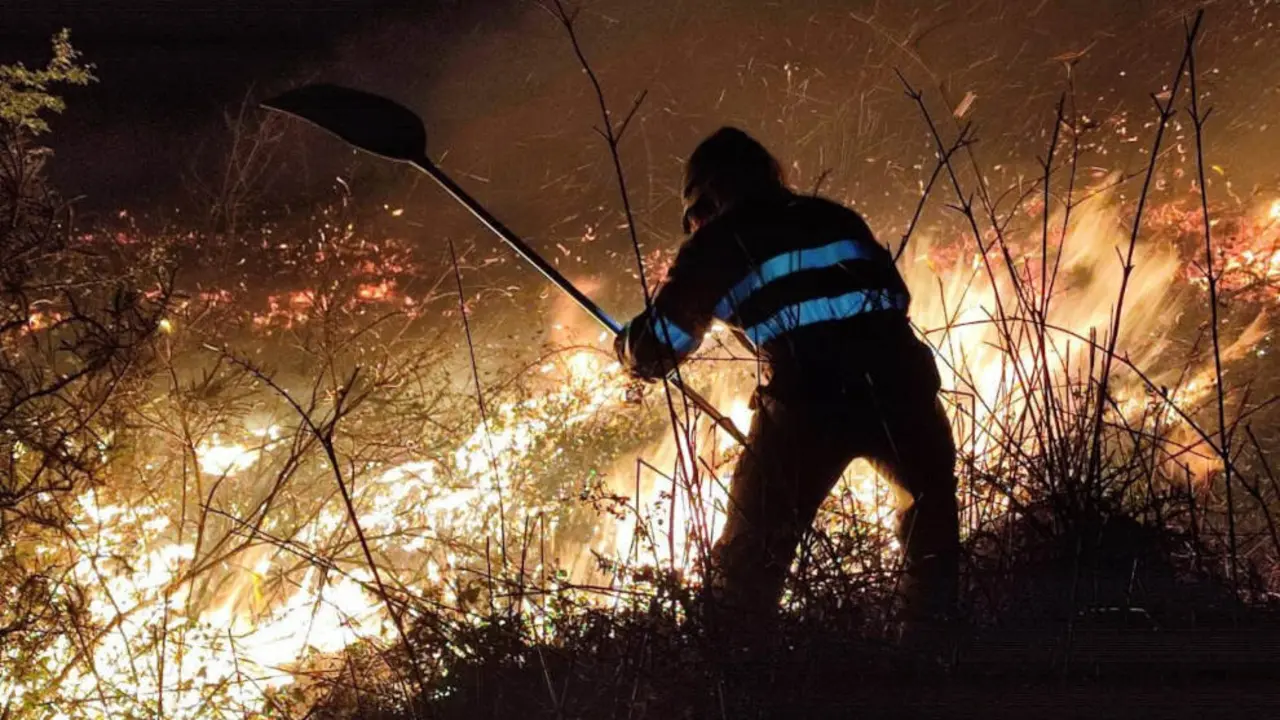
(385, 471)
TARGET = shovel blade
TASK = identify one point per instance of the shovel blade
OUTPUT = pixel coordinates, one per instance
(369, 122)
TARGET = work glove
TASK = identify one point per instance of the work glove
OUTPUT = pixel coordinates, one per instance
(634, 393)
(626, 347)
(620, 347)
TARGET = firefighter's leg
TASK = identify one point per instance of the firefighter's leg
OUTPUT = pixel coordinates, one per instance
(919, 456)
(790, 464)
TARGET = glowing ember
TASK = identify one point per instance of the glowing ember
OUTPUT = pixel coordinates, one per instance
(380, 291)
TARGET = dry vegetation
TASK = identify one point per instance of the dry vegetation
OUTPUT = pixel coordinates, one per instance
(217, 502)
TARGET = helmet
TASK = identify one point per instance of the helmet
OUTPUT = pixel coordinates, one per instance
(726, 169)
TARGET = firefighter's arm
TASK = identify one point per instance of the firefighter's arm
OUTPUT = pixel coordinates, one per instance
(658, 339)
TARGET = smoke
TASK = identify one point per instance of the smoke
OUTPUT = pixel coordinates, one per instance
(511, 114)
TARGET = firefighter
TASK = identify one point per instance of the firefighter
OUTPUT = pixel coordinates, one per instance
(843, 375)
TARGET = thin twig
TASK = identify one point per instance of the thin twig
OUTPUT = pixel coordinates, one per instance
(325, 437)
(1166, 112)
(1198, 120)
(484, 413)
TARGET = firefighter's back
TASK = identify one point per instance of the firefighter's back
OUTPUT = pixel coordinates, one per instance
(817, 294)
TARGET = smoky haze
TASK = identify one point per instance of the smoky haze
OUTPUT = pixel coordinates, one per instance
(511, 114)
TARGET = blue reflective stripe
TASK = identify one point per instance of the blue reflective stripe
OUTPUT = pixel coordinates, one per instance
(673, 336)
(824, 310)
(782, 265)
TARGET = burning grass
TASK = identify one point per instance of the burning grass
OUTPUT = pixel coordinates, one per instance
(219, 502)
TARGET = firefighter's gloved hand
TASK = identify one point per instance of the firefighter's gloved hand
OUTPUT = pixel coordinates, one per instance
(633, 346)
(622, 348)
(634, 394)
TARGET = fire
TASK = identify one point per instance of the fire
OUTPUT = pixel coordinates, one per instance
(438, 518)
(217, 458)
(221, 645)
(38, 321)
(214, 562)
(376, 291)
(958, 321)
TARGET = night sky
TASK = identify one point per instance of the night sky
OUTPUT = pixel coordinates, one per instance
(510, 112)
(168, 69)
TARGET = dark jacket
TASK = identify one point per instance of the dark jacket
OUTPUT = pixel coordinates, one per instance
(802, 277)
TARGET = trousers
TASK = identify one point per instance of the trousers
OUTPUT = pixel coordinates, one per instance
(797, 449)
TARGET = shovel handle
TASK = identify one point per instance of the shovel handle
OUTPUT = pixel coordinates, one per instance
(552, 274)
(510, 238)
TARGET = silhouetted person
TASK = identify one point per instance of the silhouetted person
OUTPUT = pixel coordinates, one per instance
(844, 375)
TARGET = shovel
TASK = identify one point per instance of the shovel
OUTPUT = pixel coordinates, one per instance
(387, 129)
